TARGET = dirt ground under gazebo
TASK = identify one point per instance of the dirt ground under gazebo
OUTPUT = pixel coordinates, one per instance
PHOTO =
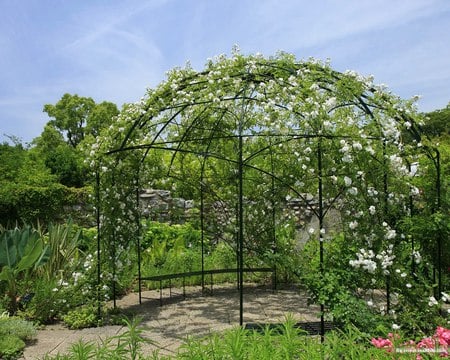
(167, 326)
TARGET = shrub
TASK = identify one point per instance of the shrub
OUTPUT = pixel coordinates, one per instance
(11, 347)
(15, 326)
(47, 303)
(336, 287)
(82, 317)
(13, 334)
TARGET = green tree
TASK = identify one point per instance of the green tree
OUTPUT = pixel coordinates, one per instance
(49, 139)
(437, 123)
(70, 116)
(28, 190)
(77, 116)
(18, 166)
(74, 119)
(63, 160)
(11, 159)
(100, 117)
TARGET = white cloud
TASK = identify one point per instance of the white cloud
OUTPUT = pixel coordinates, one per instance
(295, 24)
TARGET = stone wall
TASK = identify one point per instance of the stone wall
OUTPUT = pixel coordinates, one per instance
(159, 205)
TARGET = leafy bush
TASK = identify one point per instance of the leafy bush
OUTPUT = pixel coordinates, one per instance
(336, 287)
(285, 258)
(82, 317)
(47, 303)
(171, 234)
(11, 347)
(177, 248)
(63, 240)
(13, 334)
(22, 251)
(42, 202)
(16, 326)
(223, 256)
(349, 298)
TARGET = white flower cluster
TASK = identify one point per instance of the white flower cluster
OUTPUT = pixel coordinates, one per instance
(373, 193)
(389, 233)
(390, 129)
(88, 262)
(76, 277)
(398, 166)
(386, 257)
(445, 297)
(417, 257)
(365, 261)
(432, 301)
(345, 150)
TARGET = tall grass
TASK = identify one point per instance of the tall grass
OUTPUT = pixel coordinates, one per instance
(280, 343)
(285, 342)
(64, 241)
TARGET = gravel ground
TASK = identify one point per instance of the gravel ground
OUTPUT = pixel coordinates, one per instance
(167, 326)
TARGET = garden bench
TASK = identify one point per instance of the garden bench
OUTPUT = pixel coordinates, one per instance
(184, 275)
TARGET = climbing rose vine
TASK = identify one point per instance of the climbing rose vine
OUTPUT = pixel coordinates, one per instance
(304, 128)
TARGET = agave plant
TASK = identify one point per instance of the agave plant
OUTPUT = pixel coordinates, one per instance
(21, 252)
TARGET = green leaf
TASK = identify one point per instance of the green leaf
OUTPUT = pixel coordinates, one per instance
(6, 274)
(33, 252)
(8, 250)
(44, 257)
(22, 238)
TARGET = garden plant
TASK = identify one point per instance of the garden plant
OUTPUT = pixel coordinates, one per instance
(324, 176)
(247, 135)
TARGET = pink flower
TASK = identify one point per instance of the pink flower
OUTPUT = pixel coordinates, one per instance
(426, 343)
(440, 342)
(443, 335)
(382, 343)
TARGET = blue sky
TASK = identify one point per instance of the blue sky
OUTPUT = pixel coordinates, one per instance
(114, 49)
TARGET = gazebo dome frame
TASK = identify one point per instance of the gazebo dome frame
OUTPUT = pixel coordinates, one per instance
(243, 102)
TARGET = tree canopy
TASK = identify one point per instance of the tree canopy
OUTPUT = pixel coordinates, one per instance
(437, 123)
(76, 119)
(77, 116)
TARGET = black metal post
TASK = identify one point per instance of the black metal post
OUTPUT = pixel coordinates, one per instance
(97, 199)
(139, 234)
(411, 209)
(320, 215)
(202, 225)
(114, 254)
(274, 230)
(241, 226)
(385, 213)
(438, 205)
(237, 236)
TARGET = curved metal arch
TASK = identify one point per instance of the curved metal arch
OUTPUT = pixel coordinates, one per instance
(360, 101)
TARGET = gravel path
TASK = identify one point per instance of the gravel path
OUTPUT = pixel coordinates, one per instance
(197, 315)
